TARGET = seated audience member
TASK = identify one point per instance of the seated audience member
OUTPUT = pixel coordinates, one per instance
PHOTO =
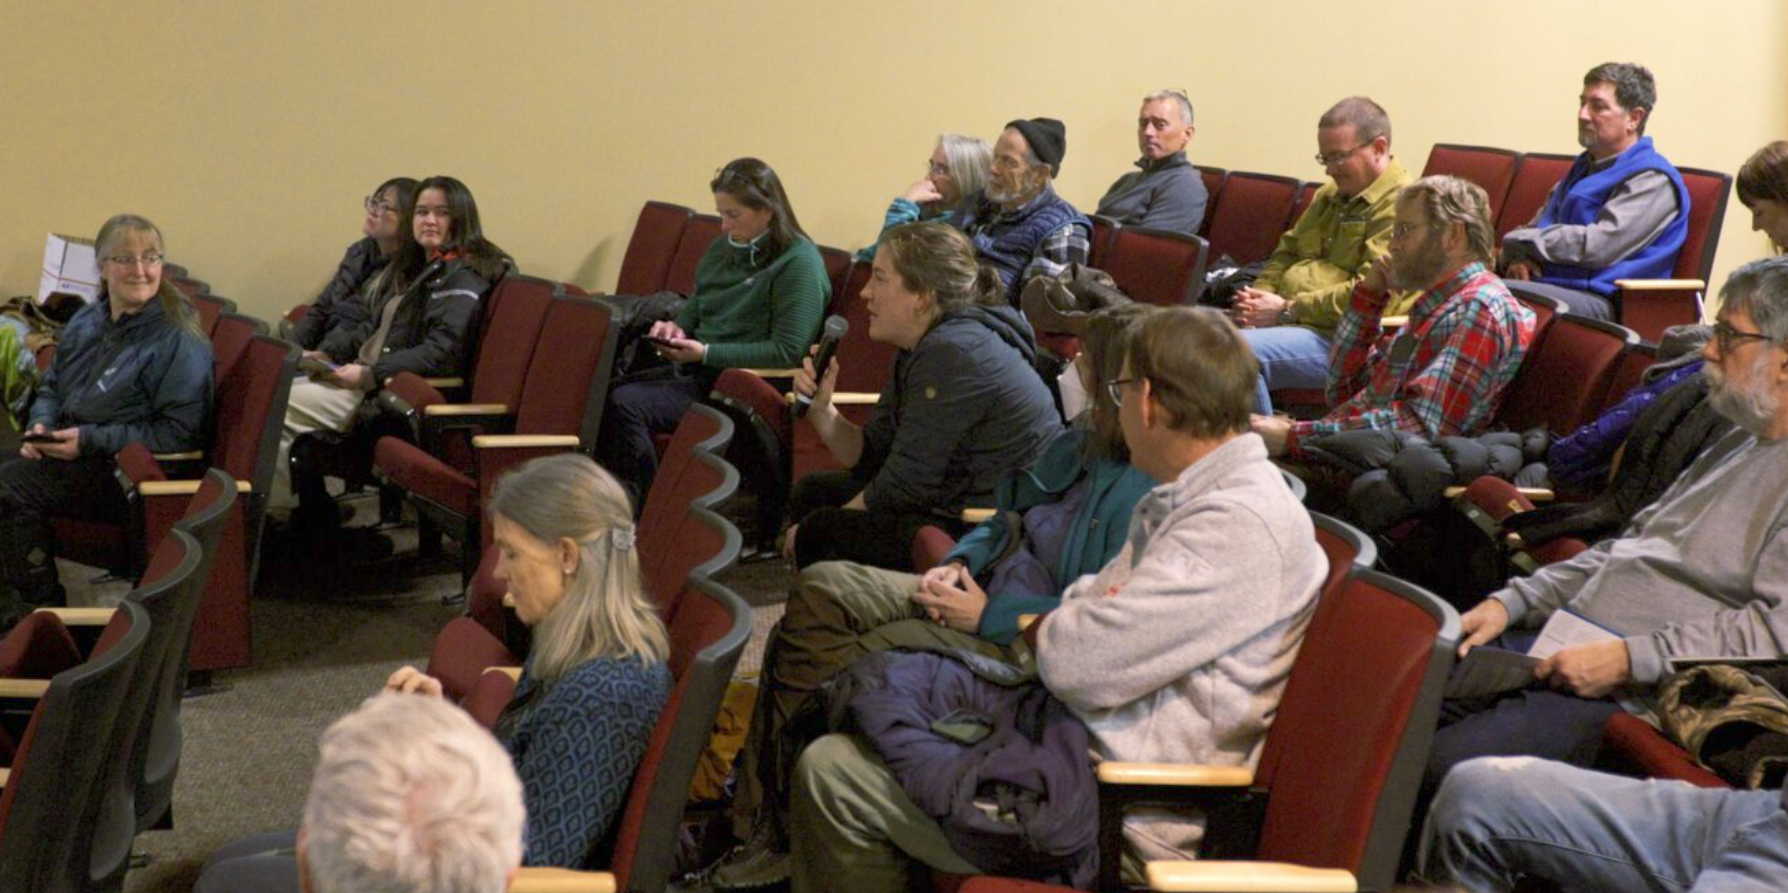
(1177, 650)
(132, 367)
(1018, 223)
(1621, 211)
(426, 299)
(596, 678)
(1058, 520)
(1763, 189)
(1699, 572)
(962, 407)
(1168, 192)
(1445, 373)
(956, 174)
(1502, 823)
(343, 303)
(760, 292)
(409, 796)
(1290, 313)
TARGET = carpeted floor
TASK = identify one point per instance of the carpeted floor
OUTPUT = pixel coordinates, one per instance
(327, 632)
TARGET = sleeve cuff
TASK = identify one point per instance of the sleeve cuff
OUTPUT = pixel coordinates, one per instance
(1644, 659)
(999, 620)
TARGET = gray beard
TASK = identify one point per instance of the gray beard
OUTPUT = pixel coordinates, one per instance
(1751, 408)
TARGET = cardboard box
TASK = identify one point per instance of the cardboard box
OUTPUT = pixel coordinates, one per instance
(69, 267)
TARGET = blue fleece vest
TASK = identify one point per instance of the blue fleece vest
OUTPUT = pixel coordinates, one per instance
(1010, 242)
(1579, 198)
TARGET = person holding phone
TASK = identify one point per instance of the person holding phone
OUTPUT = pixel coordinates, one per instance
(132, 367)
(760, 291)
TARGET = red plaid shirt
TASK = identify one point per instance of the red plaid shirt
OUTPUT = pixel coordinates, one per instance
(1444, 374)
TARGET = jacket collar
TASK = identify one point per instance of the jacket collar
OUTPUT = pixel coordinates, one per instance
(1177, 159)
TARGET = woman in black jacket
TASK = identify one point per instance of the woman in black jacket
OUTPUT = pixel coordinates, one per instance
(132, 367)
(345, 303)
(426, 303)
(963, 406)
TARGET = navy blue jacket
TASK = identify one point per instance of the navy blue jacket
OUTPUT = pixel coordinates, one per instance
(433, 332)
(140, 379)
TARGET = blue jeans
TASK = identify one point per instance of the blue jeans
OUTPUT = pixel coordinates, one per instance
(1498, 819)
(1290, 357)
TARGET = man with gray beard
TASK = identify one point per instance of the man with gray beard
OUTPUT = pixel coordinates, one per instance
(1702, 572)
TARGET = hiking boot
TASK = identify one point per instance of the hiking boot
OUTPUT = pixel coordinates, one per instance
(750, 867)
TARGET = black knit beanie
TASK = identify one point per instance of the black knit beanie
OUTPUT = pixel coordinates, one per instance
(1048, 138)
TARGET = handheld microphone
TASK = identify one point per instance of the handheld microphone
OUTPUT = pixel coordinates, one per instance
(836, 327)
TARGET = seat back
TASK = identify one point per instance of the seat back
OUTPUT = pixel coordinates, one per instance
(1627, 375)
(1351, 736)
(1157, 267)
(1563, 377)
(703, 429)
(251, 409)
(1535, 176)
(1306, 195)
(838, 267)
(1491, 169)
(1213, 187)
(229, 341)
(1708, 193)
(700, 542)
(1255, 211)
(56, 797)
(650, 250)
(707, 636)
(698, 233)
(1100, 238)
(567, 382)
(863, 363)
(518, 308)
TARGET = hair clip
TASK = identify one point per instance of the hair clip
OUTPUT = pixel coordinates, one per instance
(621, 538)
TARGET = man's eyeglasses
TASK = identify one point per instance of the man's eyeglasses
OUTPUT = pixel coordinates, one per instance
(1402, 230)
(149, 261)
(378, 205)
(1343, 155)
(1115, 388)
(1726, 336)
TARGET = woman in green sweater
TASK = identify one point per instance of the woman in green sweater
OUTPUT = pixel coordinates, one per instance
(760, 291)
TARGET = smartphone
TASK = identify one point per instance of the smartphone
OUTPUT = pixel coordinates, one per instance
(39, 437)
(315, 366)
(661, 342)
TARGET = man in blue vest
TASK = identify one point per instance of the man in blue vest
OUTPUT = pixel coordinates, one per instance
(1621, 211)
(1018, 223)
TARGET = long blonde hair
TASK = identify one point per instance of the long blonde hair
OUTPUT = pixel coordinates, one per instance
(174, 305)
(605, 611)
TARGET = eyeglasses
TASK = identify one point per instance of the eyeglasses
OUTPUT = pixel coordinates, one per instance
(934, 169)
(378, 205)
(1115, 388)
(1402, 230)
(1725, 335)
(149, 261)
(1343, 155)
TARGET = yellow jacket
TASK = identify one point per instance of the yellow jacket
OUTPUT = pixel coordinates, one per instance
(1327, 251)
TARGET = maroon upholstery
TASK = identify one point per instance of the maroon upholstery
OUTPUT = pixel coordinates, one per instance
(297, 314)
(1213, 187)
(488, 698)
(838, 268)
(1492, 169)
(1157, 267)
(1103, 229)
(649, 251)
(755, 395)
(1629, 374)
(1306, 195)
(1642, 749)
(229, 341)
(1708, 193)
(1563, 377)
(38, 647)
(461, 652)
(863, 363)
(414, 469)
(701, 543)
(698, 234)
(681, 480)
(1254, 213)
(211, 308)
(1535, 176)
(930, 546)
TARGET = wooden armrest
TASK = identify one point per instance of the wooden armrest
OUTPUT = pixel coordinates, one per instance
(1660, 284)
(182, 488)
(1393, 322)
(81, 616)
(523, 441)
(514, 673)
(1025, 621)
(508, 599)
(561, 880)
(976, 516)
(188, 456)
(459, 409)
(447, 381)
(1247, 877)
(23, 688)
(1533, 494)
(4, 775)
(772, 373)
(1182, 774)
(848, 398)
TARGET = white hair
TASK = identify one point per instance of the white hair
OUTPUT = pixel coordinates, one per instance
(412, 796)
(1177, 97)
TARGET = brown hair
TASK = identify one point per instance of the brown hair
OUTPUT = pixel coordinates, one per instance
(1449, 200)
(940, 260)
(1104, 343)
(753, 184)
(174, 305)
(1198, 367)
(1368, 118)
(1764, 176)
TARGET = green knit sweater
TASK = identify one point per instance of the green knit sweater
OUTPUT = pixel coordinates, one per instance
(755, 312)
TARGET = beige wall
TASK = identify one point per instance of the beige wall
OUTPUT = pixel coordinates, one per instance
(249, 130)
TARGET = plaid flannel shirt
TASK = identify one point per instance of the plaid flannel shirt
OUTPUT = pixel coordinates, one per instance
(1444, 374)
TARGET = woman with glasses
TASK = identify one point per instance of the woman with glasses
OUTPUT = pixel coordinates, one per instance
(132, 367)
(963, 406)
(956, 172)
(423, 306)
(760, 291)
(343, 302)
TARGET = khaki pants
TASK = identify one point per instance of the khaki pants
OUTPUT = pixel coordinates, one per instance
(854, 829)
(837, 612)
(314, 406)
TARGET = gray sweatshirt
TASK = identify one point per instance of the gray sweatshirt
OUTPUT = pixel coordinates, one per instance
(1178, 649)
(1702, 572)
